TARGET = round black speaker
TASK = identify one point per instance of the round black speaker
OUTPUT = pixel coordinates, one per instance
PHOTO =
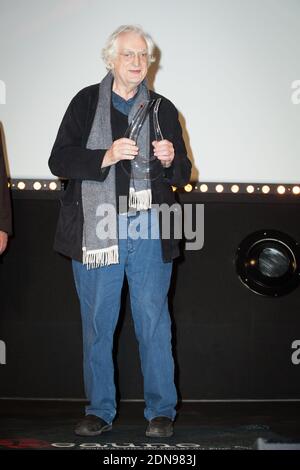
(267, 262)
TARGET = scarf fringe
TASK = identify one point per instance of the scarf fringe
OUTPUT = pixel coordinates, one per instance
(140, 200)
(103, 257)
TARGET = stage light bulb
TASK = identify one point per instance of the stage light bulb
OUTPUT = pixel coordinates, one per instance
(188, 188)
(219, 188)
(37, 185)
(281, 189)
(265, 189)
(21, 185)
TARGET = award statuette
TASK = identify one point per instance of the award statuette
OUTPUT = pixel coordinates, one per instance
(145, 167)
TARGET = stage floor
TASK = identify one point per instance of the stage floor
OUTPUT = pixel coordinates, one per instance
(49, 425)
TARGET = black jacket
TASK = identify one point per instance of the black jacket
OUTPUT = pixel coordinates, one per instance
(5, 205)
(71, 159)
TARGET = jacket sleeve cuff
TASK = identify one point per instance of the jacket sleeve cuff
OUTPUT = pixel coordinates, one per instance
(168, 172)
(103, 171)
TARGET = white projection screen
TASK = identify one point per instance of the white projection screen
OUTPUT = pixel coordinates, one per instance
(231, 67)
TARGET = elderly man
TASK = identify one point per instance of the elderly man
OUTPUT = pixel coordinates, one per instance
(104, 169)
(5, 207)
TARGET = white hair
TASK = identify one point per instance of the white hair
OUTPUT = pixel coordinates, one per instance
(109, 50)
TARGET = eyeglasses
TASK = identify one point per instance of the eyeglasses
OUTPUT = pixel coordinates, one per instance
(128, 56)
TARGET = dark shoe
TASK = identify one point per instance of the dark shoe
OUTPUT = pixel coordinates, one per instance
(91, 425)
(161, 426)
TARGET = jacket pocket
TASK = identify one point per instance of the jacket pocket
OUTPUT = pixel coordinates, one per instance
(68, 222)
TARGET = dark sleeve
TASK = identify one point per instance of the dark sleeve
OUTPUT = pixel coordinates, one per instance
(179, 173)
(69, 158)
(5, 203)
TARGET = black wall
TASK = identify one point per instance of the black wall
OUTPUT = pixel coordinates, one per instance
(229, 343)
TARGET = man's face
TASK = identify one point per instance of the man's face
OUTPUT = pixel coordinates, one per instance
(130, 64)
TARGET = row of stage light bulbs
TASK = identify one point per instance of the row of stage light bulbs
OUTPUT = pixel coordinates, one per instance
(37, 185)
(219, 188)
(203, 188)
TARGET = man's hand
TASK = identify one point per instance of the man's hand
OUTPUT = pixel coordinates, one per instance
(3, 241)
(121, 149)
(164, 151)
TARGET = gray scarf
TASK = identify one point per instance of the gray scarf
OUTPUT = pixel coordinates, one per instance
(100, 227)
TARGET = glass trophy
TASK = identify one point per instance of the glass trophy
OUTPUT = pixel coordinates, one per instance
(145, 167)
(157, 130)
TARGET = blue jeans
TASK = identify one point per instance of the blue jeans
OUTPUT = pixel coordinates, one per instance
(99, 292)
